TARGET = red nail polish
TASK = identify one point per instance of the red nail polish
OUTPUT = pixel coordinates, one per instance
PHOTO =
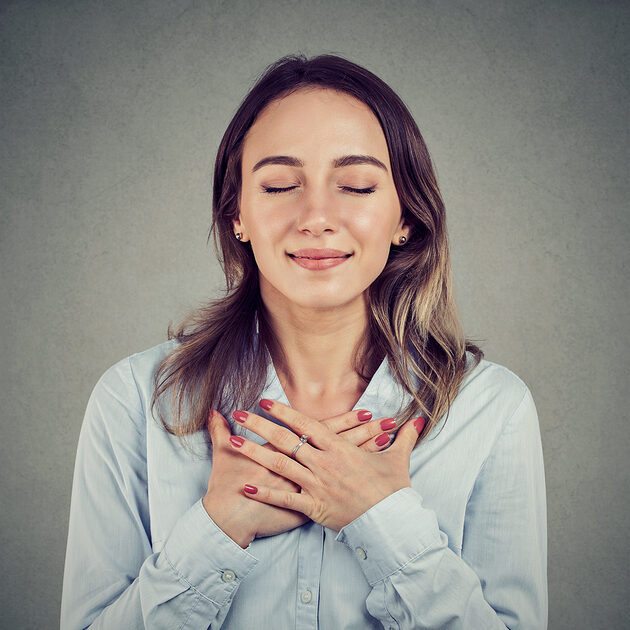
(266, 404)
(250, 489)
(419, 424)
(388, 424)
(364, 416)
(382, 439)
(239, 416)
(237, 441)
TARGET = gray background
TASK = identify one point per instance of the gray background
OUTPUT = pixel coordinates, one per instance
(111, 114)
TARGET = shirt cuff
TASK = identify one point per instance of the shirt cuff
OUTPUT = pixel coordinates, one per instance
(204, 556)
(390, 534)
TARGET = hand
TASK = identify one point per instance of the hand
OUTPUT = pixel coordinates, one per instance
(242, 519)
(224, 501)
(339, 480)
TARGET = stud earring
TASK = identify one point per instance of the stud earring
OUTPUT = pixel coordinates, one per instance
(402, 240)
(239, 236)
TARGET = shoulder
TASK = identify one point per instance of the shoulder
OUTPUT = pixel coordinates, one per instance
(492, 394)
(138, 368)
(493, 412)
(124, 391)
(491, 379)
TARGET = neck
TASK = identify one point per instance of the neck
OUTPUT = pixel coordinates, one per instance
(315, 352)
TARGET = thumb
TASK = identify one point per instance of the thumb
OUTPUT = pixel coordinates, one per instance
(408, 434)
(218, 427)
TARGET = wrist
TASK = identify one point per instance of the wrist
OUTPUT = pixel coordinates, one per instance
(233, 528)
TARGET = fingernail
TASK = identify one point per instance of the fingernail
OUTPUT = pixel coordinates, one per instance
(364, 416)
(239, 416)
(266, 404)
(250, 489)
(382, 439)
(387, 424)
(237, 441)
(419, 424)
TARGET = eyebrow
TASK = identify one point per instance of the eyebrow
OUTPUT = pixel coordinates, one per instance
(346, 160)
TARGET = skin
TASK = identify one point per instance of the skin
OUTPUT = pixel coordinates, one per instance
(339, 481)
(233, 510)
(317, 315)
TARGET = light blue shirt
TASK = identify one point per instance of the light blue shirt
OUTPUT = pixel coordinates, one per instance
(464, 547)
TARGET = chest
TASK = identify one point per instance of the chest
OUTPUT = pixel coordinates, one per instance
(178, 477)
(323, 406)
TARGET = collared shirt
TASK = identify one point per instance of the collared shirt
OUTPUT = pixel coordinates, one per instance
(463, 547)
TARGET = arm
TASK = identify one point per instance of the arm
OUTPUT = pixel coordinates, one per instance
(112, 577)
(500, 581)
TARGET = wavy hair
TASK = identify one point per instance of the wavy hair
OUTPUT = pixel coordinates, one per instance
(220, 360)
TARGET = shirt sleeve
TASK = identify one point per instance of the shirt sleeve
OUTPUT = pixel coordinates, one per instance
(112, 578)
(499, 582)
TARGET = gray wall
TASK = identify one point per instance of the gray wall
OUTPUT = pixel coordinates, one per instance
(111, 116)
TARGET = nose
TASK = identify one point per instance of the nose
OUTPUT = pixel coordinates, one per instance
(317, 214)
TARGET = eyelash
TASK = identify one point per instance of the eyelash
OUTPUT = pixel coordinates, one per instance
(361, 191)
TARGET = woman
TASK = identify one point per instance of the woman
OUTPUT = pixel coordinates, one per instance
(367, 468)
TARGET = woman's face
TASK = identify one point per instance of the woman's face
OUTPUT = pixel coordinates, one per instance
(318, 201)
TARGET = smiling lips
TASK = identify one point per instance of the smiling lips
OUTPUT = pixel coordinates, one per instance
(317, 259)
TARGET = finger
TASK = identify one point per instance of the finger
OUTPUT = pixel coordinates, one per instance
(365, 433)
(280, 498)
(319, 435)
(281, 438)
(218, 427)
(347, 420)
(407, 436)
(379, 443)
(274, 461)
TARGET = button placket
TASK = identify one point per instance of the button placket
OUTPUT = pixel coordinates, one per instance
(310, 550)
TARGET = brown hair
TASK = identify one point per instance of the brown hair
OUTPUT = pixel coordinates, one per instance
(220, 361)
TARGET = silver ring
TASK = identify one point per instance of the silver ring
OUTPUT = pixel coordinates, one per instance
(303, 440)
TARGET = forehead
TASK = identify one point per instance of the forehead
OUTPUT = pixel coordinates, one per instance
(315, 121)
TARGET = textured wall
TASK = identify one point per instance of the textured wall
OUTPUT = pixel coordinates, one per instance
(111, 113)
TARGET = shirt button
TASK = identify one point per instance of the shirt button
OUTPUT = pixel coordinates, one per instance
(228, 576)
(306, 596)
(361, 553)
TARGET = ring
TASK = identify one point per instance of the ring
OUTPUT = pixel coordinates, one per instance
(303, 440)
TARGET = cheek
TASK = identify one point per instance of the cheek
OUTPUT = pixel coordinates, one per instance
(376, 229)
(268, 235)
(375, 247)
(265, 221)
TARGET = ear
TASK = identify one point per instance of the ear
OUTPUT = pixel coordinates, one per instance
(402, 230)
(239, 228)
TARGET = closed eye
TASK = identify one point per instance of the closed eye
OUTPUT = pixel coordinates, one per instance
(273, 191)
(361, 191)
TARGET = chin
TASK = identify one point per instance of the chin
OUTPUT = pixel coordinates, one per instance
(325, 301)
(316, 296)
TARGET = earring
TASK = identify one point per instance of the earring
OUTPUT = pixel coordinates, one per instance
(239, 236)
(402, 240)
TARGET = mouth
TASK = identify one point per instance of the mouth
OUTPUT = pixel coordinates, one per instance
(319, 254)
(318, 259)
